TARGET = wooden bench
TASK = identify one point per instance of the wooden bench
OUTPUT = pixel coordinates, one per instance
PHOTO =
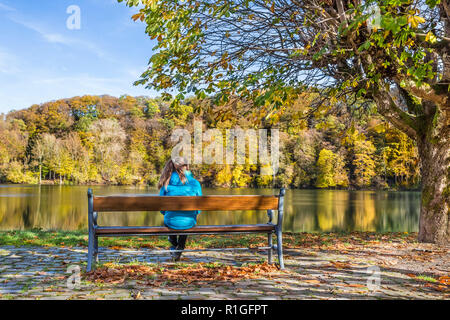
(98, 204)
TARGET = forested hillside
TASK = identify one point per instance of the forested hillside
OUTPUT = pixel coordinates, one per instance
(126, 140)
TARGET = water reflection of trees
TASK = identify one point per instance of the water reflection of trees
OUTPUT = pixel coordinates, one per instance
(364, 211)
(399, 211)
(65, 207)
(335, 210)
(331, 210)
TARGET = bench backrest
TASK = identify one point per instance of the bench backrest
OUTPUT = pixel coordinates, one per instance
(185, 203)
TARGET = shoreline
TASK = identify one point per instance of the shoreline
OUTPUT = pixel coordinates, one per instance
(56, 184)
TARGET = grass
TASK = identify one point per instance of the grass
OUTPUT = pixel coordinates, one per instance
(426, 278)
(55, 238)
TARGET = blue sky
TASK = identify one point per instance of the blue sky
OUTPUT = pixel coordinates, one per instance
(42, 60)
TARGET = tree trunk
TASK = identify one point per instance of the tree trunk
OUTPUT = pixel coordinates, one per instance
(431, 131)
(434, 224)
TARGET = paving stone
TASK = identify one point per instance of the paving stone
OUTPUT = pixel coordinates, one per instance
(26, 273)
(13, 256)
(55, 298)
(268, 298)
(291, 297)
(100, 292)
(10, 291)
(202, 291)
(194, 297)
(176, 297)
(222, 296)
(249, 292)
(167, 291)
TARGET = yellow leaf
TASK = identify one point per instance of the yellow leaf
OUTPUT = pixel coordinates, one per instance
(414, 21)
(430, 37)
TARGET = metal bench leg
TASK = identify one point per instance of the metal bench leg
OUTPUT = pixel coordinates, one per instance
(91, 250)
(91, 241)
(269, 252)
(95, 249)
(280, 249)
(279, 228)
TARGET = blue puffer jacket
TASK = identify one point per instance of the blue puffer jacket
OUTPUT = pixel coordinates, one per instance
(181, 219)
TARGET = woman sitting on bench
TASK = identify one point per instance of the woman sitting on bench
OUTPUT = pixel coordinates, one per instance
(177, 180)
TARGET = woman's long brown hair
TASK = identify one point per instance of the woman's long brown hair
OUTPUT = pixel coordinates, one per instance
(178, 165)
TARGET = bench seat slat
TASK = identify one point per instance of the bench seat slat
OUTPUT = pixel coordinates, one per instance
(164, 230)
(184, 203)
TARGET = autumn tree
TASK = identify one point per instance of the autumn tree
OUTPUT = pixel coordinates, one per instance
(13, 142)
(268, 51)
(402, 158)
(331, 171)
(39, 153)
(50, 148)
(364, 163)
(362, 153)
(108, 140)
(78, 158)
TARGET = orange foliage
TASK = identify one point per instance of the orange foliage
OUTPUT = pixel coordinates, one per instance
(198, 273)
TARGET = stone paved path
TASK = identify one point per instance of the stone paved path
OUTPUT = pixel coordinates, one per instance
(42, 273)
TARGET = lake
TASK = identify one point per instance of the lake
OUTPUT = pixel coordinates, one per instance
(65, 208)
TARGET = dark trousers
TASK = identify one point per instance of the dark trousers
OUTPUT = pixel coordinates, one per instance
(178, 241)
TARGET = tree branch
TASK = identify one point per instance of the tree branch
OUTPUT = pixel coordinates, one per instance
(389, 109)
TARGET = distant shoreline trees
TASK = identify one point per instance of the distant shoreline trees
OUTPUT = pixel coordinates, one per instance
(126, 141)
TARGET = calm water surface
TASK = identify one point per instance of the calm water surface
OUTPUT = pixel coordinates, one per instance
(65, 207)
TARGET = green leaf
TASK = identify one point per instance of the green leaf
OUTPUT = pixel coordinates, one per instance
(364, 46)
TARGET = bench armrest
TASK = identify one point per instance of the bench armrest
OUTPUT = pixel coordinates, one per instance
(92, 215)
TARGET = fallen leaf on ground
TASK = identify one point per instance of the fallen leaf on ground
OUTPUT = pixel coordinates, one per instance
(157, 276)
(312, 281)
(117, 248)
(444, 280)
(438, 287)
(355, 285)
(389, 262)
(340, 265)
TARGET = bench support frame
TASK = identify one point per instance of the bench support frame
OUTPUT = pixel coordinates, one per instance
(279, 229)
(93, 236)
